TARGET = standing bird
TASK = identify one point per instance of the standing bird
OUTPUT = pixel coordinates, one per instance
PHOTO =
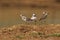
(34, 18)
(43, 17)
(25, 19)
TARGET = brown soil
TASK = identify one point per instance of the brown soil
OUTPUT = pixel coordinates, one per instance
(29, 32)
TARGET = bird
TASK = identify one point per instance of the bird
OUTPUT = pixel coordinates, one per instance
(25, 19)
(34, 18)
(43, 17)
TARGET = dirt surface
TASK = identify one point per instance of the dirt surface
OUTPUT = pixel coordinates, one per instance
(29, 32)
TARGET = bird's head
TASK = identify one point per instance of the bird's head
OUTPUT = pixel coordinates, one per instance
(21, 15)
(44, 12)
(34, 14)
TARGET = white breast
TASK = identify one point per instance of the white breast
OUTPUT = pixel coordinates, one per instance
(24, 18)
(33, 18)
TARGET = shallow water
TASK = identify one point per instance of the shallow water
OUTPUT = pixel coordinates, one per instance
(10, 16)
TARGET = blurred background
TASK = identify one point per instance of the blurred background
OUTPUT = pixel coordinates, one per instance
(10, 8)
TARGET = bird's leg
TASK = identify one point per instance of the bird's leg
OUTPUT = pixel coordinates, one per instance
(45, 21)
(27, 23)
(35, 21)
(23, 22)
(40, 22)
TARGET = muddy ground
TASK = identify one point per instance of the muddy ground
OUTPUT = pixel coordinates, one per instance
(30, 32)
